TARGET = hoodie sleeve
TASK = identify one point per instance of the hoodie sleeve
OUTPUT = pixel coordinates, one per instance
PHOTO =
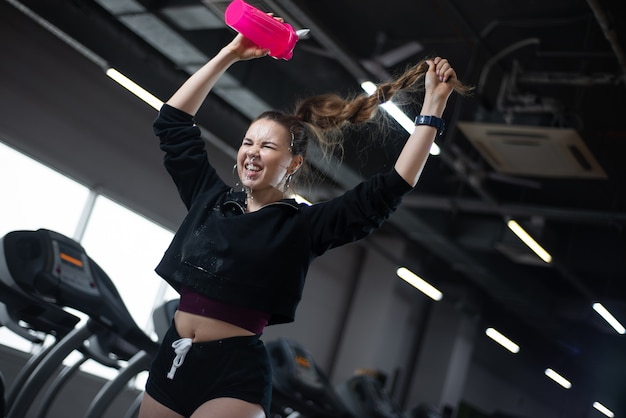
(185, 154)
(357, 213)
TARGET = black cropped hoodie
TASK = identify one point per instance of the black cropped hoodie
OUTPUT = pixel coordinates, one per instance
(258, 259)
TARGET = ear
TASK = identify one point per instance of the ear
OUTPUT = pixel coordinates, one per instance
(296, 162)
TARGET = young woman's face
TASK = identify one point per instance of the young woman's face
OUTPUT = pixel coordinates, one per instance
(264, 159)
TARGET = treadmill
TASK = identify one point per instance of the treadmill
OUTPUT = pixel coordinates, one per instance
(366, 397)
(42, 272)
(299, 387)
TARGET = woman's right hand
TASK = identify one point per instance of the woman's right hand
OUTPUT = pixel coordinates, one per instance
(244, 49)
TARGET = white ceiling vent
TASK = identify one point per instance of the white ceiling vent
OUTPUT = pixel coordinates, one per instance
(533, 151)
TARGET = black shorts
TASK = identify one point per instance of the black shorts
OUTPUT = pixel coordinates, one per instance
(236, 367)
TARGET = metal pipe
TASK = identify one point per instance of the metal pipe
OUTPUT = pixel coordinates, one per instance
(348, 62)
(421, 201)
(609, 31)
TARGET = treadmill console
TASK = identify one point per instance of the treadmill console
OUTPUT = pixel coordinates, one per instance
(70, 266)
(305, 369)
(52, 266)
(299, 384)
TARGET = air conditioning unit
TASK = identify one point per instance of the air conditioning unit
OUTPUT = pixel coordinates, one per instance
(533, 151)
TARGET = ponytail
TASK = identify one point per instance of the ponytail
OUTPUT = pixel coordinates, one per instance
(323, 118)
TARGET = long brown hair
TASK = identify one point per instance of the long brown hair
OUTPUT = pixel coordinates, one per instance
(322, 118)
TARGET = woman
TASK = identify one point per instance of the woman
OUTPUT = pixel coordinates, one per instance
(239, 259)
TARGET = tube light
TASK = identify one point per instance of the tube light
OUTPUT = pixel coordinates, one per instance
(529, 241)
(558, 378)
(606, 315)
(419, 283)
(606, 411)
(502, 340)
(301, 199)
(400, 117)
(131, 86)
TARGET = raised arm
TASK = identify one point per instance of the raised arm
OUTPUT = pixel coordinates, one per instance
(190, 96)
(411, 160)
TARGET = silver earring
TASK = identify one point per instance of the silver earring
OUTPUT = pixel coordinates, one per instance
(237, 179)
(288, 180)
(292, 139)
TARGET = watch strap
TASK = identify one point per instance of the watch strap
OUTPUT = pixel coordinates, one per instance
(433, 121)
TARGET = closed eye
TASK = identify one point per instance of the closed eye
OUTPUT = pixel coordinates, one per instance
(265, 144)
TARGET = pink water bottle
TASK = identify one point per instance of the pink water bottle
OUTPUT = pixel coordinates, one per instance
(263, 30)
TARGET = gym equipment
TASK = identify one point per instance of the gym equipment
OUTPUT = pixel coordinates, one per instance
(162, 318)
(425, 411)
(365, 397)
(31, 318)
(299, 387)
(42, 271)
(1, 395)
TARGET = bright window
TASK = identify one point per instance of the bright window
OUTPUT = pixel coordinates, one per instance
(124, 244)
(127, 247)
(35, 196)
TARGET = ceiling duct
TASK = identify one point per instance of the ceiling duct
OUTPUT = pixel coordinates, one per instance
(533, 151)
(194, 17)
(219, 8)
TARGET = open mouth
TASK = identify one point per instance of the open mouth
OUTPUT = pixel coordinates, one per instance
(252, 167)
(251, 170)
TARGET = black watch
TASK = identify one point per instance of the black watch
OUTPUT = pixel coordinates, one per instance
(431, 121)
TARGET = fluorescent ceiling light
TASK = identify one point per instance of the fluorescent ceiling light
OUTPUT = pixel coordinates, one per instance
(606, 411)
(300, 199)
(400, 117)
(419, 283)
(502, 340)
(529, 241)
(131, 86)
(558, 378)
(604, 313)
(369, 87)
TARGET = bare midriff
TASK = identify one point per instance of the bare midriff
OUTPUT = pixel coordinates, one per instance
(201, 328)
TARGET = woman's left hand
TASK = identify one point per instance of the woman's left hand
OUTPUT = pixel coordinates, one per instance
(439, 73)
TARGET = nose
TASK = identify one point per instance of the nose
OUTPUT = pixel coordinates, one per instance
(252, 154)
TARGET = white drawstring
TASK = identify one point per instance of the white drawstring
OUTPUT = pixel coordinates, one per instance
(181, 348)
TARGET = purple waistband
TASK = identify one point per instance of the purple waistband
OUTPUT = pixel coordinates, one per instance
(251, 319)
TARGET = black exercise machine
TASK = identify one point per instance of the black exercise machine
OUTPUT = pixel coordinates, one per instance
(366, 397)
(299, 387)
(40, 273)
